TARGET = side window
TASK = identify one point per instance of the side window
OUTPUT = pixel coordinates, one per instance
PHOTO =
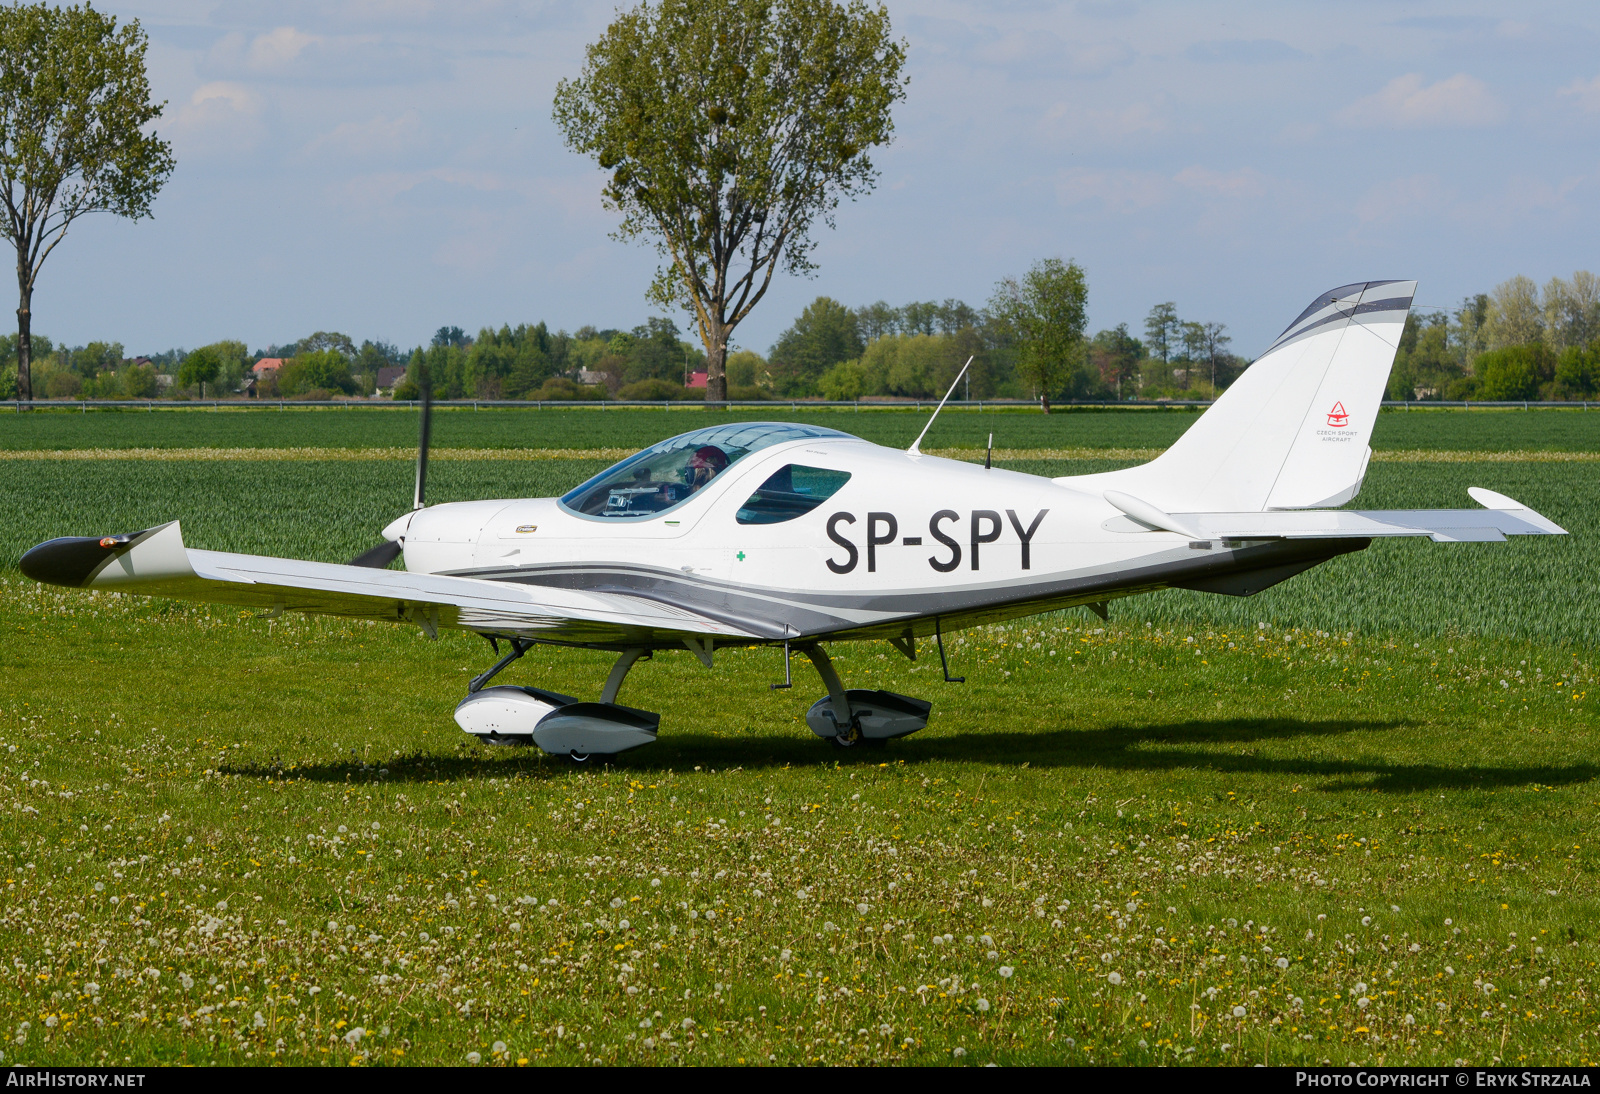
(792, 491)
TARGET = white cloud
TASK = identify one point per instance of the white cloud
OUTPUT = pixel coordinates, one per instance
(277, 49)
(1243, 183)
(1401, 197)
(1040, 53)
(1126, 121)
(378, 136)
(1405, 103)
(221, 116)
(1587, 92)
(1119, 191)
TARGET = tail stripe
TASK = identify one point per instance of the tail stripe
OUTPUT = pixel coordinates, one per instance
(1339, 305)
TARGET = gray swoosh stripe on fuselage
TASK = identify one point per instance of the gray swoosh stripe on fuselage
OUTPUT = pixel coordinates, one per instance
(773, 612)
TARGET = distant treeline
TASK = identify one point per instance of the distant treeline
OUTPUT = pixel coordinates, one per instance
(1518, 342)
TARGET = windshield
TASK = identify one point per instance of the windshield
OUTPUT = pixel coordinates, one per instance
(668, 474)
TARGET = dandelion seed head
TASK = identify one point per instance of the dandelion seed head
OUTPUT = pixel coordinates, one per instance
(983, 1006)
(1238, 1012)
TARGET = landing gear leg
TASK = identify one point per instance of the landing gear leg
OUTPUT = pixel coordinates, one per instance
(519, 646)
(619, 673)
(849, 731)
(608, 694)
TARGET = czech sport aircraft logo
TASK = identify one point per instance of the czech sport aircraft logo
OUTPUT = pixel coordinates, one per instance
(1337, 417)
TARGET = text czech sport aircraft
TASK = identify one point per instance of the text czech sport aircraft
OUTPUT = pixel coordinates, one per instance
(794, 536)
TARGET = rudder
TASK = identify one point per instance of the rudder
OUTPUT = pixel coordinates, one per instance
(1292, 432)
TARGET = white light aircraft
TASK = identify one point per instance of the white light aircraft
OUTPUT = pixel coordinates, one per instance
(796, 537)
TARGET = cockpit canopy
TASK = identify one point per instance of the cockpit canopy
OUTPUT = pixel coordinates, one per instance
(668, 474)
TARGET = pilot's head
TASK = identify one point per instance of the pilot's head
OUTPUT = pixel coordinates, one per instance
(704, 465)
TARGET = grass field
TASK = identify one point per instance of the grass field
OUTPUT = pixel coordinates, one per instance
(1349, 819)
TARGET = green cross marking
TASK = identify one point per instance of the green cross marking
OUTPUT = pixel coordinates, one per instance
(740, 556)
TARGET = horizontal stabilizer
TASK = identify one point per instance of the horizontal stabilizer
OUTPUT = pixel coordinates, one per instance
(1505, 517)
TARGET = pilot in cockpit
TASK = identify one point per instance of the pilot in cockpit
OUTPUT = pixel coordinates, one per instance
(706, 463)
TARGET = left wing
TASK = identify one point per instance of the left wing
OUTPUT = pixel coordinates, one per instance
(155, 562)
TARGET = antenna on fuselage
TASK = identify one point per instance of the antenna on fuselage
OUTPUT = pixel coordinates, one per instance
(915, 450)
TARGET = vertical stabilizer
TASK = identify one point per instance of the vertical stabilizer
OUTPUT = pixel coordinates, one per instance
(1292, 432)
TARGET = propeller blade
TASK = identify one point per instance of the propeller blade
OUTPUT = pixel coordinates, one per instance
(379, 557)
(422, 442)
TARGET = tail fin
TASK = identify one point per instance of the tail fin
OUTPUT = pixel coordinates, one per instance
(1292, 431)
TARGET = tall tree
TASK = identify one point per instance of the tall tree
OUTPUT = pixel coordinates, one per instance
(1215, 341)
(74, 107)
(1117, 353)
(200, 367)
(1161, 330)
(1515, 316)
(826, 333)
(728, 129)
(1045, 312)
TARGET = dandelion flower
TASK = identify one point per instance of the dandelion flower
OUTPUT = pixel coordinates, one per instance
(1363, 1002)
(474, 1058)
(1006, 971)
(958, 1053)
(1238, 1012)
(1282, 962)
(1114, 979)
(983, 1006)
(498, 1048)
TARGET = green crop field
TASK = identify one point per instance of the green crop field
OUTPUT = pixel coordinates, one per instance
(630, 427)
(1346, 820)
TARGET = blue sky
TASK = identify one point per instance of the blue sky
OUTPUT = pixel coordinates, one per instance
(383, 167)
